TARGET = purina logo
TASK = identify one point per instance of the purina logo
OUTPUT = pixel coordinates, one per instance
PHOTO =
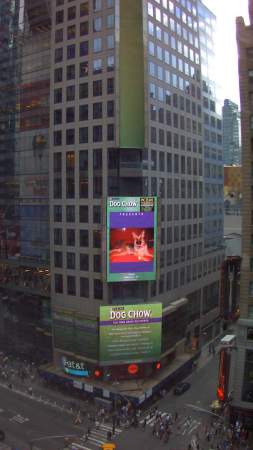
(115, 203)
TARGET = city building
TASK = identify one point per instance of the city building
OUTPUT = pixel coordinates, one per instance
(231, 133)
(24, 210)
(126, 120)
(242, 364)
(212, 135)
(126, 102)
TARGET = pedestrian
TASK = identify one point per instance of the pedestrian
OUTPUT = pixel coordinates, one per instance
(144, 423)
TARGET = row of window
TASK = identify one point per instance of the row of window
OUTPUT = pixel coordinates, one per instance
(96, 112)
(84, 7)
(71, 72)
(71, 238)
(84, 286)
(169, 39)
(174, 120)
(72, 52)
(98, 44)
(71, 94)
(169, 4)
(70, 214)
(177, 188)
(84, 26)
(170, 59)
(180, 277)
(176, 163)
(71, 261)
(174, 140)
(174, 212)
(99, 133)
(164, 95)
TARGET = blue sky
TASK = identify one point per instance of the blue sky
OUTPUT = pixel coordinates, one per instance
(226, 67)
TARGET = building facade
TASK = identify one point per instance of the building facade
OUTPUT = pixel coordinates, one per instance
(126, 120)
(231, 133)
(24, 145)
(241, 381)
(122, 115)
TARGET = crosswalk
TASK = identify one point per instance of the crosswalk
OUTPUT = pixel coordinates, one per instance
(184, 426)
(19, 419)
(97, 437)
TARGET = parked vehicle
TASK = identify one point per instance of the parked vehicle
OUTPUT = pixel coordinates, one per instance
(181, 388)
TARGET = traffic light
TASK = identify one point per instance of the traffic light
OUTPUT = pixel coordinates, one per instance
(98, 373)
(220, 394)
(158, 365)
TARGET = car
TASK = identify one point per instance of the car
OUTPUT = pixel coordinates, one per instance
(181, 388)
(2, 436)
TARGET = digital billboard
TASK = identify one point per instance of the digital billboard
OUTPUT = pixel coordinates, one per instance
(130, 333)
(131, 238)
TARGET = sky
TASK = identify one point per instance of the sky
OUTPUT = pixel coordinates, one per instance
(226, 66)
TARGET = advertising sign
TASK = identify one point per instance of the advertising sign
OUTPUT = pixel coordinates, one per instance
(131, 238)
(74, 367)
(130, 333)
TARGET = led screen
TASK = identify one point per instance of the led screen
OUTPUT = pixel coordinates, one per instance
(131, 238)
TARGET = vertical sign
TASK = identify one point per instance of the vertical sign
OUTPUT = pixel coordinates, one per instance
(131, 238)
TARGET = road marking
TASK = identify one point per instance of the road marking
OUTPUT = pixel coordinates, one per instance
(19, 419)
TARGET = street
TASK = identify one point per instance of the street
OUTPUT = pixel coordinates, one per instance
(24, 419)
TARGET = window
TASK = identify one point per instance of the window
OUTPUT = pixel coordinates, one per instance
(84, 9)
(97, 133)
(71, 285)
(57, 138)
(70, 136)
(110, 21)
(96, 214)
(84, 261)
(98, 290)
(97, 66)
(97, 110)
(110, 42)
(58, 75)
(84, 48)
(97, 45)
(97, 88)
(57, 116)
(58, 283)
(70, 93)
(71, 72)
(97, 239)
(110, 132)
(57, 213)
(58, 259)
(84, 287)
(83, 214)
(59, 17)
(97, 263)
(110, 63)
(83, 135)
(71, 260)
(110, 108)
(58, 95)
(71, 32)
(83, 69)
(70, 114)
(59, 36)
(84, 238)
(58, 55)
(72, 13)
(84, 28)
(70, 237)
(83, 90)
(70, 213)
(97, 24)
(57, 236)
(110, 86)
